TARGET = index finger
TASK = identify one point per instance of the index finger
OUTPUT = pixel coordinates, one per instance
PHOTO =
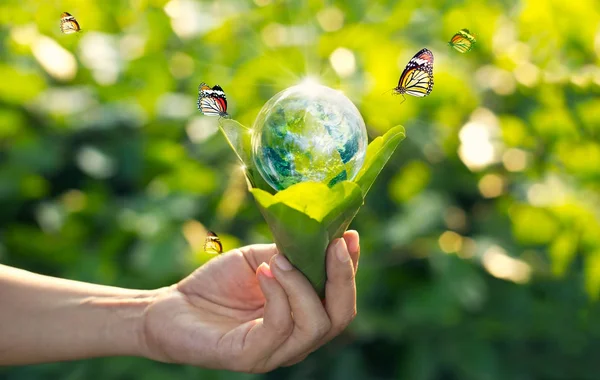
(257, 254)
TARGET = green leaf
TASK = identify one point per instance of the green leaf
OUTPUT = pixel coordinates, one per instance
(239, 138)
(378, 153)
(302, 239)
(306, 217)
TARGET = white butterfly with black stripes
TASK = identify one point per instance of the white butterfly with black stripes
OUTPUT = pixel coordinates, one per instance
(212, 101)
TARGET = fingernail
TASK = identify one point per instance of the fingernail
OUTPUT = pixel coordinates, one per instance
(341, 251)
(264, 268)
(283, 263)
(354, 243)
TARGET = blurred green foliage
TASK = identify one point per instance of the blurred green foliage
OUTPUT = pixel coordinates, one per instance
(480, 239)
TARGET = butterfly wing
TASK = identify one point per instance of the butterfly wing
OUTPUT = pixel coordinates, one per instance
(222, 104)
(417, 77)
(212, 101)
(212, 244)
(210, 106)
(202, 88)
(418, 82)
(68, 24)
(467, 34)
(222, 99)
(462, 41)
(70, 27)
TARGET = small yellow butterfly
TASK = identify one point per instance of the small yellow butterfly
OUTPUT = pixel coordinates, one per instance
(212, 244)
(68, 24)
(462, 41)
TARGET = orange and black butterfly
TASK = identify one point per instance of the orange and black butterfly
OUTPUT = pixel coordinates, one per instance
(212, 101)
(68, 24)
(417, 77)
(212, 244)
(462, 41)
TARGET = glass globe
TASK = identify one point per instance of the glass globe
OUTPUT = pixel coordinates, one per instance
(308, 132)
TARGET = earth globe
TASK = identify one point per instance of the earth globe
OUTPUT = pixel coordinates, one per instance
(308, 133)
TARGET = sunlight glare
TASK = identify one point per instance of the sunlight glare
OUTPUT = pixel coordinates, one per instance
(310, 83)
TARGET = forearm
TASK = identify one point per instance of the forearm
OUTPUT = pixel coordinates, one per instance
(45, 319)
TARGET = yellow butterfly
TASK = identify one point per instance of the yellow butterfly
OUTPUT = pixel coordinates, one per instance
(68, 24)
(417, 77)
(212, 244)
(462, 41)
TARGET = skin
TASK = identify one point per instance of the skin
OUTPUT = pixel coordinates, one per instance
(247, 310)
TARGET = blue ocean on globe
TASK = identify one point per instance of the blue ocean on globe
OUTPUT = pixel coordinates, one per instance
(308, 133)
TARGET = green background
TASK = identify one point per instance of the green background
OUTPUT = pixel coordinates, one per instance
(480, 239)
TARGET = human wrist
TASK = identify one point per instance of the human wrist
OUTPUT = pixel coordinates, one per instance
(121, 322)
(46, 319)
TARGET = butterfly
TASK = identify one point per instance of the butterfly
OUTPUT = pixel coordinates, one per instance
(68, 24)
(212, 101)
(462, 41)
(417, 77)
(212, 244)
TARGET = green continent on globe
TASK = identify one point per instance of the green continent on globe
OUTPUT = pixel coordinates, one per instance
(308, 133)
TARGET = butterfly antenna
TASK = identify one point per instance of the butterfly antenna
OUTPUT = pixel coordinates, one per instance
(383, 93)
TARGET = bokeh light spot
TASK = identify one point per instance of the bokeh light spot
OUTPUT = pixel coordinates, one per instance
(491, 185)
(56, 60)
(330, 19)
(515, 160)
(343, 62)
(181, 65)
(200, 128)
(95, 163)
(450, 242)
(500, 265)
(455, 218)
(100, 53)
(74, 200)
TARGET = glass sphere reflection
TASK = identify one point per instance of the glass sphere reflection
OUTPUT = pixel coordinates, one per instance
(306, 133)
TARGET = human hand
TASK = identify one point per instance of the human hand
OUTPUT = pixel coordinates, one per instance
(239, 313)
